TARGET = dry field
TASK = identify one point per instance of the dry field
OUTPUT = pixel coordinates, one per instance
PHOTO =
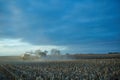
(84, 69)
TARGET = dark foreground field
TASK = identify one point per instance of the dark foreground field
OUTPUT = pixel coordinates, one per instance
(93, 69)
(84, 67)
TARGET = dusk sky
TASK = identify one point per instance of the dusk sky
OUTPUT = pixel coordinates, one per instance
(73, 26)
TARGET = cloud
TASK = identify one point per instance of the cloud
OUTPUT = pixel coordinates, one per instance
(60, 22)
(17, 47)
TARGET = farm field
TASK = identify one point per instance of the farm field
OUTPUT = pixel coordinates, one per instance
(84, 69)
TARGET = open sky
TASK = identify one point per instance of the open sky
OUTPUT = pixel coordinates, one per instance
(73, 26)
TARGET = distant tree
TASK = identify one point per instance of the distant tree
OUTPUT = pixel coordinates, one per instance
(40, 53)
(55, 52)
(114, 53)
(46, 52)
(67, 54)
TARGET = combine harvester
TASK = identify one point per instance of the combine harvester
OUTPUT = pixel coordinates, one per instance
(38, 54)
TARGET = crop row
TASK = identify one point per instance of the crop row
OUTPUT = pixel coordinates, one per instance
(66, 70)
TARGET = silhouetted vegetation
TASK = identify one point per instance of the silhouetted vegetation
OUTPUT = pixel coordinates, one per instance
(114, 53)
(95, 56)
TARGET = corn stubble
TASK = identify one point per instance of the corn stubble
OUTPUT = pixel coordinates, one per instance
(85, 69)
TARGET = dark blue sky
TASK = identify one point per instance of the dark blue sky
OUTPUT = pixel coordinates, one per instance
(83, 26)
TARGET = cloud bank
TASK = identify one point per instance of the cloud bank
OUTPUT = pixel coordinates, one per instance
(81, 26)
